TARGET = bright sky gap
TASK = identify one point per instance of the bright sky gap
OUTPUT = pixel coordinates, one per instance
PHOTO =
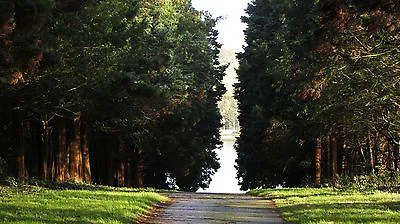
(231, 36)
(230, 28)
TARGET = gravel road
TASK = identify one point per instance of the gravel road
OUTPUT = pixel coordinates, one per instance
(217, 208)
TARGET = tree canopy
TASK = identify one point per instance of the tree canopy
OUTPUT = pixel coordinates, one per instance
(318, 85)
(112, 92)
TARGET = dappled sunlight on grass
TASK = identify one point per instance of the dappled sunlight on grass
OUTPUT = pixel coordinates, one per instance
(38, 205)
(308, 205)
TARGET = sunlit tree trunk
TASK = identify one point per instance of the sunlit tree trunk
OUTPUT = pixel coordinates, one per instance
(364, 154)
(371, 153)
(61, 155)
(344, 163)
(318, 157)
(328, 157)
(87, 175)
(121, 163)
(75, 160)
(121, 173)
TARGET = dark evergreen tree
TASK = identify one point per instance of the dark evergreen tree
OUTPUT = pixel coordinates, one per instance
(317, 89)
(88, 85)
(270, 147)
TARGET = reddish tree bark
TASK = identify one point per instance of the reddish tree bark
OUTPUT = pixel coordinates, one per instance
(75, 161)
(87, 174)
(121, 174)
(328, 157)
(318, 157)
(61, 155)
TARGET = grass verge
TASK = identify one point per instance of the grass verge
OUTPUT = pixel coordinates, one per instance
(326, 205)
(41, 205)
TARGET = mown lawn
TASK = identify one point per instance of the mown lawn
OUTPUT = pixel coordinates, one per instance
(308, 205)
(40, 205)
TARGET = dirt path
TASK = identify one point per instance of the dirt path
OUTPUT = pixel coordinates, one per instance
(217, 208)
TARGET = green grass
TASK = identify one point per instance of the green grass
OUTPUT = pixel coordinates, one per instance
(40, 205)
(308, 205)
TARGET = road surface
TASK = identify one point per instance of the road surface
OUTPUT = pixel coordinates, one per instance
(217, 208)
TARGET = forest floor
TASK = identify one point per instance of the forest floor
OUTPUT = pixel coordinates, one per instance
(29, 204)
(327, 205)
(217, 208)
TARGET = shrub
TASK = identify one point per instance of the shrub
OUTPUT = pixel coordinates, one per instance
(387, 181)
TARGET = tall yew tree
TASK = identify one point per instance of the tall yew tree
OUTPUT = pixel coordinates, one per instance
(271, 145)
(318, 91)
(89, 87)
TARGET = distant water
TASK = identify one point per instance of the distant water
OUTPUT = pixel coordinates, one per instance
(224, 181)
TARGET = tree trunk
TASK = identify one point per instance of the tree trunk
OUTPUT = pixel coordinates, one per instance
(18, 129)
(371, 153)
(391, 157)
(87, 175)
(121, 173)
(109, 164)
(52, 152)
(45, 149)
(334, 158)
(32, 147)
(75, 161)
(61, 156)
(396, 157)
(364, 157)
(138, 176)
(382, 157)
(345, 164)
(328, 157)
(318, 155)
(129, 173)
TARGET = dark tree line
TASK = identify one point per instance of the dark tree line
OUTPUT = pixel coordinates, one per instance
(318, 91)
(119, 93)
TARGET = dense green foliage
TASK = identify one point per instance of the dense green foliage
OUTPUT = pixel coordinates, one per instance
(318, 87)
(39, 205)
(326, 205)
(115, 92)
